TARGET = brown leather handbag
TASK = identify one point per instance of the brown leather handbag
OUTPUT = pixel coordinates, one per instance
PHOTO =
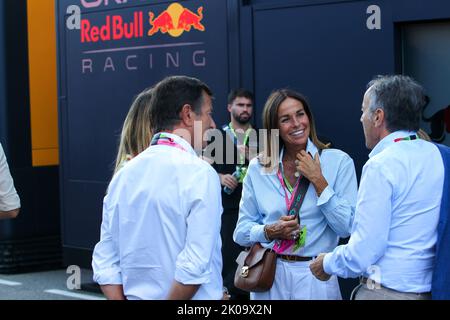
(256, 269)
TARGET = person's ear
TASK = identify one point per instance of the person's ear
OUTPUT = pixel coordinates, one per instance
(187, 115)
(229, 108)
(378, 117)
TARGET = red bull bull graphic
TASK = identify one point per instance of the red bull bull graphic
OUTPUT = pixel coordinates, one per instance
(162, 23)
(176, 20)
(188, 19)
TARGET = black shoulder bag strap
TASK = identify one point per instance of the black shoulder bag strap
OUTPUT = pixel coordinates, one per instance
(300, 195)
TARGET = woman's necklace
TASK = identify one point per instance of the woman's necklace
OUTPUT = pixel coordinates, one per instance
(290, 171)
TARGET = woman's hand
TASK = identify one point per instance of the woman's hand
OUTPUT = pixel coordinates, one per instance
(310, 168)
(287, 228)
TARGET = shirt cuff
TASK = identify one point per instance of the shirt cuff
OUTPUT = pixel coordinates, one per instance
(257, 234)
(327, 267)
(184, 276)
(325, 196)
(108, 276)
(10, 202)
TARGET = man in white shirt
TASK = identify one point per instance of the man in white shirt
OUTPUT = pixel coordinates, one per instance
(160, 235)
(9, 200)
(392, 244)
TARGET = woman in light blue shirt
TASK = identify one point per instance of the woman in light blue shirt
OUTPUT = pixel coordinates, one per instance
(291, 153)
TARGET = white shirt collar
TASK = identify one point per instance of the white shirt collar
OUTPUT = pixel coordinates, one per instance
(389, 140)
(310, 148)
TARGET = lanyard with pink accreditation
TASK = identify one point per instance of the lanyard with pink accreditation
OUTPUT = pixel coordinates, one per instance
(293, 206)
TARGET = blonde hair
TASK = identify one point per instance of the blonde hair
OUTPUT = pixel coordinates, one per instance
(273, 143)
(136, 131)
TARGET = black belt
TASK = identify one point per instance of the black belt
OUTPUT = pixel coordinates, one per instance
(293, 258)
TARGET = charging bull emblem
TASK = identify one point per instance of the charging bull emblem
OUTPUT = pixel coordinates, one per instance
(162, 23)
(176, 20)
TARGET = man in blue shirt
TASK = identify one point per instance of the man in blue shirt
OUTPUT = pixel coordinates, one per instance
(392, 244)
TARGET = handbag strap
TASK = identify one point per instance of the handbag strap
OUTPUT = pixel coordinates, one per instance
(299, 195)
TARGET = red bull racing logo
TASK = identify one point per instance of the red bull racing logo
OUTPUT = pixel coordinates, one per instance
(127, 34)
(176, 20)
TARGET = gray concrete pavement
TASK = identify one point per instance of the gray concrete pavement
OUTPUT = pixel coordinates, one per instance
(50, 285)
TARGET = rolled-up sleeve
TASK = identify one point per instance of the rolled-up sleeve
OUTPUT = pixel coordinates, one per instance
(105, 259)
(338, 202)
(9, 199)
(193, 264)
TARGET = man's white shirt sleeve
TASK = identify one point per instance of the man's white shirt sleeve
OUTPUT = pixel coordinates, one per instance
(105, 262)
(9, 199)
(193, 265)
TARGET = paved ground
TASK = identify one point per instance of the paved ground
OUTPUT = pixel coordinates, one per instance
(50, 285)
